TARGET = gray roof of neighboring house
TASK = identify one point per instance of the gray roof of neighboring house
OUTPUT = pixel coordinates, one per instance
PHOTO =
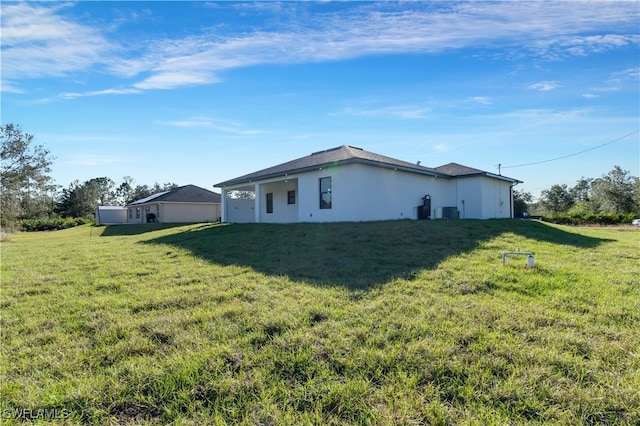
(460, 171)
(455, 169)
(350, 154)
(182, 194)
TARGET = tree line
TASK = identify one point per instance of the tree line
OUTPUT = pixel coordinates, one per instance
(27, 191)
(617, 192)
(81, 199)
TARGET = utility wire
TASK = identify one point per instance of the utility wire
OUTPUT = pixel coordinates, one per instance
(575, 153)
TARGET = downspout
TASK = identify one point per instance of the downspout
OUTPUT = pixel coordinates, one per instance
(457, 198)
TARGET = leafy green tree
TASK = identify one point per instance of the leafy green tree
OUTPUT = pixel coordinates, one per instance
(164, 187)
(144, 191)
(557, 199)
(521, 200)
(615, 192)
(78, 200)
(81, 199)
(125, 191)
(138, 193)
(105, 191)
(25, 184)
(581, 193)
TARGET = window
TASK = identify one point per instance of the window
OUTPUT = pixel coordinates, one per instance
(325, 193)
(269, 202)
(130, 213)
(157, 211)
(137, 213)
(291, 197)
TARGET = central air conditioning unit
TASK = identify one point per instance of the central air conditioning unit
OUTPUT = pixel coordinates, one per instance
(450, 213)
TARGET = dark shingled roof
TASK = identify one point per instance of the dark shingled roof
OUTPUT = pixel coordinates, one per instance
(182, 194)
(455, 169)
(460, 171)
(330, 157)
(346, 155)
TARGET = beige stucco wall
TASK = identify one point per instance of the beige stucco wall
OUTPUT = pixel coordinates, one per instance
(189, 212)
(176, 212)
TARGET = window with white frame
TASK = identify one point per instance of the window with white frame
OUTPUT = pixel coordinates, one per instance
(325, 193)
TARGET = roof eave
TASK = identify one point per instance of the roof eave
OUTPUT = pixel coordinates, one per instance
(500, 177)
(489, 175)
(241, 181)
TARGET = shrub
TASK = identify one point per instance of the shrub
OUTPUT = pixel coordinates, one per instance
(592, 218)
(54, 224)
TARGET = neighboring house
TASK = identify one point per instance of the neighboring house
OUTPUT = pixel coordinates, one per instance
(184, 204)
(351, 184)
(111, 215)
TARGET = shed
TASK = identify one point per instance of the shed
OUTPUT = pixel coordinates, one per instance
(111, 215)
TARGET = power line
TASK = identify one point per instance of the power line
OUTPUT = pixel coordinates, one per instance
(575, 153)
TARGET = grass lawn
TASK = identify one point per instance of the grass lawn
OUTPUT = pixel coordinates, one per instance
(403, 322)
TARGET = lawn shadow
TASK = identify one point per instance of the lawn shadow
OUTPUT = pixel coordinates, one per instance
(134, 229)
(358, 255)
(541, 231)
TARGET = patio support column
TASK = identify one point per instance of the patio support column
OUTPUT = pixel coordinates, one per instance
(257, 201)
(223, 205)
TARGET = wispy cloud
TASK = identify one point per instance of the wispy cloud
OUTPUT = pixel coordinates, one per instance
(127, 91)
(41, 40)
(395, 112)
(544, 86)
(176, 78)
(38, 41)
(210, 123)
(441, 147)
(616, 81)
(478, 100)
(562, 46)
(7, 87)
(619, 79)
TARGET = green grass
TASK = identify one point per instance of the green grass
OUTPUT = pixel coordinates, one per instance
(405, 322)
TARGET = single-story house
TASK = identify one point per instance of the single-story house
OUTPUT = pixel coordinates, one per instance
(350, 184)
(111, 215)
(184, 204)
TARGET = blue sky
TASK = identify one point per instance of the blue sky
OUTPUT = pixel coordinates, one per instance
(201, 92)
